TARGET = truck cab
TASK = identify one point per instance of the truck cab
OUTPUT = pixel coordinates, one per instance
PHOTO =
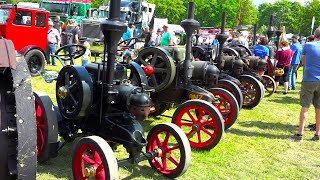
(67, 9)
(27, 27)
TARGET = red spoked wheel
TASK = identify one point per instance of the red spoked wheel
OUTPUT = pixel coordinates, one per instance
(94, 158)
(47, 126)
(202, 123)
(233, 88)
(41, 128)
(172, 147)
(227, 106)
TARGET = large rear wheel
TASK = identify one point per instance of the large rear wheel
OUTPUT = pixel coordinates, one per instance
(233, 88)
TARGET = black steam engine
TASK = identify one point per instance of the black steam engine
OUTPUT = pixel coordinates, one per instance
(99, 102)
(172, 73)
(233, 62)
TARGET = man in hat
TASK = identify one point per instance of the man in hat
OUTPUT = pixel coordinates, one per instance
(296, 47)
(166, 38)
(53, 40)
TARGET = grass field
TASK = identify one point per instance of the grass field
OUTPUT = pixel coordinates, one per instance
(257, 146)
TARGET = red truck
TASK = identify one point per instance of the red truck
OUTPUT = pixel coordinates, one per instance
(27, 27)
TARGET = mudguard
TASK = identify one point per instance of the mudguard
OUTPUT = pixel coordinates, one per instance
(7, 52)
(142, 76)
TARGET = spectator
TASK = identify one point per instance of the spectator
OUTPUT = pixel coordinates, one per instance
(148, 38)
(57, 24)
(87, 54)
(53, 41)
(128, 34)
(310, 86)
(262, 51)
(283, 57)
(70, 35)
(157, 37)
(310, 38)
(243, 38)
(166, 38)
(297, 50)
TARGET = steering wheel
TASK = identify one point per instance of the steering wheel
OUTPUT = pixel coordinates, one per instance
(78, 52)
(128, 42)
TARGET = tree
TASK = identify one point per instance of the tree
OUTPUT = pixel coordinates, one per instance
(248, 13)
(175, 10)
(310, 10)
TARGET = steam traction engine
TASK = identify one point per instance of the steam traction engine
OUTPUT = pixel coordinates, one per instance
(17, 116)
(170, 72)
(100, 101)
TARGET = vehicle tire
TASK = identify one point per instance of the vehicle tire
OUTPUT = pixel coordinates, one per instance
(179, 151)
(233, 88)
(200, 118)
(227, 105)
(269, 84)
(47, 125)
(36, 61)
(179, 39)
(94, 152)
(253, 91)
(7, 119)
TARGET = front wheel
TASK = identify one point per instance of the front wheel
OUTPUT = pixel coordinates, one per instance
(253, 91)
(36, 62)
(269, 84)
(202, 123)
(174, 153)
(94, 158)
(227, 105)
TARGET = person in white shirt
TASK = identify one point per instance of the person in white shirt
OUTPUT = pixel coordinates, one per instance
(87, 54)
(53, 40)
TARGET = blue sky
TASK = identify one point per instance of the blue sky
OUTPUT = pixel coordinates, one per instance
(257, 2)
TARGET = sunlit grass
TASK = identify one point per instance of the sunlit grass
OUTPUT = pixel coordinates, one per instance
(257, 146)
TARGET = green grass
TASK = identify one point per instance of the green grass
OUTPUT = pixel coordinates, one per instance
(257, 146)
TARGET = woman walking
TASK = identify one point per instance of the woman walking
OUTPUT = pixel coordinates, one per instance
(283, 58)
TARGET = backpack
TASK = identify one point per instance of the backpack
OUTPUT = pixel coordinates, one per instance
(67, 35)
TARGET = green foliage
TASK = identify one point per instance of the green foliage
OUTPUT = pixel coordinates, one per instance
(249, 14)
(262, 30)
(175, 11)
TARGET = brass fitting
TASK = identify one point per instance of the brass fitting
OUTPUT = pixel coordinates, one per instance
(62, 92)
(159, 152)
(90, 171)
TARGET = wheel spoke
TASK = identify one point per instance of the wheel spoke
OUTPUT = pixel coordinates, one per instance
(154, 59)
(206, 131)
(66, 79)
(73, 87)
(173, 148)
(164, 162)
(190, 115)
(158, 141)
(199, 136)
(160, 70)
(175, 162)
(166, 139)
(143, 61)
(189, 133)
(186, 124)
(87, 159)
(154, 80)
(160, 65)
(73, 100)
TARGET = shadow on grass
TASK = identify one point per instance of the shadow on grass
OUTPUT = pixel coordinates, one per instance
(285, 100)
(257, 134)
(268, 125)
(141, 171)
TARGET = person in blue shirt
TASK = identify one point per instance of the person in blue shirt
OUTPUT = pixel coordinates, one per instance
(128, 34)
(310, 86)
(262, 51)
(297, 49)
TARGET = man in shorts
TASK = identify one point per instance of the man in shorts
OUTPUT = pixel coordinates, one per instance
(310, 86)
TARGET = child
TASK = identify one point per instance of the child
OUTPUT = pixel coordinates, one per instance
(87, 54)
